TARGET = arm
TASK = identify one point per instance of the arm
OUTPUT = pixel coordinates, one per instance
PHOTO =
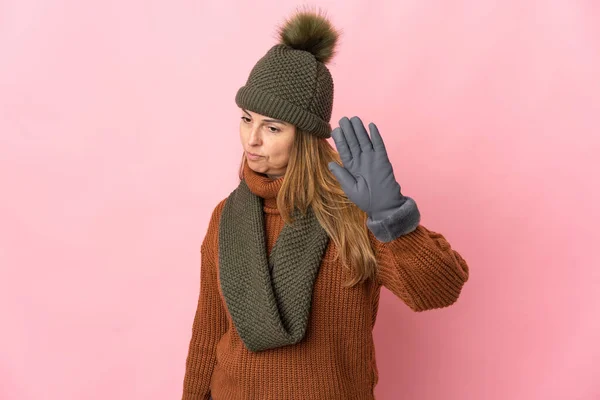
(414, 263)
(210, 321)
(419, 267)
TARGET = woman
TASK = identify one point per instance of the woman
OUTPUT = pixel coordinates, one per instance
(294, 258)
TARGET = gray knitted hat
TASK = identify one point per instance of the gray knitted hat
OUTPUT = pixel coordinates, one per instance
(291, 81)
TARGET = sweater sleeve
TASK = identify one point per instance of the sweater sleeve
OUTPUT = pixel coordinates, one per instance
(421, 268)
(210, 321)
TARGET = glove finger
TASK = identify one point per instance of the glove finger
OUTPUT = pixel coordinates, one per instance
(361, 134)
(378, 144)
(348, 131)
(341, 145)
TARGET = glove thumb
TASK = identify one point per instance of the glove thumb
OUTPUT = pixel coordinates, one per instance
(344, 177)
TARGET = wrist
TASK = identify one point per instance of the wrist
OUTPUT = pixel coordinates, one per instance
(390, 207)
(395, 222)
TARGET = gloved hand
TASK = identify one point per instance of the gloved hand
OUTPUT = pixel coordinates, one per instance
(367, 178)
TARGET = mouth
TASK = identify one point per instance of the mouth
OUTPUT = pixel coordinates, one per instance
(253, 155)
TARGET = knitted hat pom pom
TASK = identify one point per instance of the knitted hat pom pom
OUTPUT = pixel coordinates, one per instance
(310, 31)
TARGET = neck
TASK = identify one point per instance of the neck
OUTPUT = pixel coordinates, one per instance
(263, 185)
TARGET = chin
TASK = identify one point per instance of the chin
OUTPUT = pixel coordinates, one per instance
(255, 167)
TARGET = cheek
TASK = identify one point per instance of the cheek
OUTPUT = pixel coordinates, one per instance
(243, 136)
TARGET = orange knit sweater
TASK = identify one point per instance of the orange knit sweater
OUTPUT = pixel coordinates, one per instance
(336, 359)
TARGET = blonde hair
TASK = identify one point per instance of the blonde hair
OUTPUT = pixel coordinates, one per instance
(309, 183)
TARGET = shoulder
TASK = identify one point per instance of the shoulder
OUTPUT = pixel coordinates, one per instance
(217, 211)
(211, 238)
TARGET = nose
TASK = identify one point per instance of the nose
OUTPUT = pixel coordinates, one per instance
(254, 137)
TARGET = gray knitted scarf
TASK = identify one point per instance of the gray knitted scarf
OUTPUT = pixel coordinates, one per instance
(268, 297)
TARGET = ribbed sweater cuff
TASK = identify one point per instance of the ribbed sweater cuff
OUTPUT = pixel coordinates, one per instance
(428, 266)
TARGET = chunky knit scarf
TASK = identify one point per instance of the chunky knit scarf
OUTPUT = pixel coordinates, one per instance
(268, 297)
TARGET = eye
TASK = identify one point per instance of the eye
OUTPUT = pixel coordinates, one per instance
(245, 119)
(274, 130)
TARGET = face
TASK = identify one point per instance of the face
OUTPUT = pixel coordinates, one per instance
(270, 139)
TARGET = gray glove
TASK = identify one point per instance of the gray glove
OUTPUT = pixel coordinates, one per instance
(367, 178)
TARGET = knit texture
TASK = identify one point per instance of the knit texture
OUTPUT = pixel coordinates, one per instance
(268, 298)
(336, 359)
(290, 85)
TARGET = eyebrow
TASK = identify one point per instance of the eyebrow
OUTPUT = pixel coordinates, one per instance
(268, 120)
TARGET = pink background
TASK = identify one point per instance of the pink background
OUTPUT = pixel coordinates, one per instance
(119, 134)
